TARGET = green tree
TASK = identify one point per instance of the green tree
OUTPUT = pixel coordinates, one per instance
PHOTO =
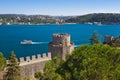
(13, 69)
(50, 69)
(2, 62)
(95, 62)
(39, 75)
(88, 62)
(95, 39)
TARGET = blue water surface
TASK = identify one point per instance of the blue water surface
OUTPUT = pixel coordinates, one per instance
(12, 35)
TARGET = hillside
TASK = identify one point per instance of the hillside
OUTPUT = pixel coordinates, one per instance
(104, 18)
(31, 19)
(25, 19)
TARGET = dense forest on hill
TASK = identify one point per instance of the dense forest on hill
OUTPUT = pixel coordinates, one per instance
(104, 18)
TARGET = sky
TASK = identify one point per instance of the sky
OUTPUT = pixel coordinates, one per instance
(59, 7)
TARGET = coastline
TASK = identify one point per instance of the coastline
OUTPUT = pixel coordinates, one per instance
(40, 24)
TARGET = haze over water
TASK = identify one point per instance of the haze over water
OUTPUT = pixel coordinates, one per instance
(41, 35)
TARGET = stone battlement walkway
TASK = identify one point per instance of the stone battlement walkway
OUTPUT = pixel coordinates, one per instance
(35, 61)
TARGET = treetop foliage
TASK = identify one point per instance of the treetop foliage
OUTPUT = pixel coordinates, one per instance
(88, 62)
(95, 39)
(2, 62)
(13, 69)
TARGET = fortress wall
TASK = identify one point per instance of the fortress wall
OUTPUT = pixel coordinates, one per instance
(2, 73)
(56, 50)
(60, 50)
(67, 50)
(29, 66)
(34, 59)
(30, 69)
(71, 47)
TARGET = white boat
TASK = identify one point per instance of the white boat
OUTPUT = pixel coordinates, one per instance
(26, 42)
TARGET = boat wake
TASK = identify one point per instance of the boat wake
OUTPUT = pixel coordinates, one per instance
(76, 46)
(39, 42)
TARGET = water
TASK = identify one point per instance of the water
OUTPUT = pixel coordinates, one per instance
(41, 35)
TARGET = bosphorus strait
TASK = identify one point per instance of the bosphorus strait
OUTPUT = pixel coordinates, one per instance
(12, 35)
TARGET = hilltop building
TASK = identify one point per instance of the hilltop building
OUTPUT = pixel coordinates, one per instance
(60, 45)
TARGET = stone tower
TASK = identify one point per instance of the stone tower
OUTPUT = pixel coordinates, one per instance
(60, 45)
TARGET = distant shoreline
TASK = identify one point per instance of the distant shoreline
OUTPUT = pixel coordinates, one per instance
(60, 24)
(39, 24)
(94, 18)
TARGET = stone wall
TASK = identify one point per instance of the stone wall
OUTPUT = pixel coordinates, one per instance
(29, 66)
(2, 74)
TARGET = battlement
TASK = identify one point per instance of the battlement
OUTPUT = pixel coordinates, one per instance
(60, 35)
(34, 59)
(61, 39)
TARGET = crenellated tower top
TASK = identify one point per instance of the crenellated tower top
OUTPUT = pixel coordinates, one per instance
(61, 39)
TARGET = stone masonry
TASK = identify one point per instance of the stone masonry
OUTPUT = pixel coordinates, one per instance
(29, 66)
(60, 45)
